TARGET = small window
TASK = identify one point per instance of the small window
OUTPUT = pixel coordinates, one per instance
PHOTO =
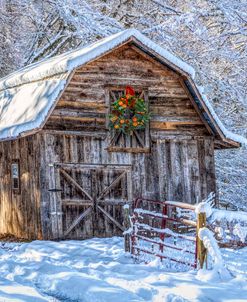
(138, 141)
(15, 177)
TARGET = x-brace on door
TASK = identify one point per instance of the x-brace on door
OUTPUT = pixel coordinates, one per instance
(89, 199)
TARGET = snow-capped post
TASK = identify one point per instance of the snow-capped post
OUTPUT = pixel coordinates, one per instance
(201, 250)
(127, 226)
(203, 210)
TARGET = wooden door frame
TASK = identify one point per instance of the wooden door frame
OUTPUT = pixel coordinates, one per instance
(92, 202)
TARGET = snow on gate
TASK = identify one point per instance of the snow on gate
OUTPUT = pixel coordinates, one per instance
(164, 229)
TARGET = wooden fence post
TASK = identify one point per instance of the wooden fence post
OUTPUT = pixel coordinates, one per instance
(201, 250)
(126, 227)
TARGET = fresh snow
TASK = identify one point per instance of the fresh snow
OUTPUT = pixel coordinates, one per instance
(26, 107)
(152, 213)
(213, 249)
(98, 270)
(229, 216)
(161, 231)
(204, 207)
(229, 224)
(236, 220)
(214, 215)
(240, 231)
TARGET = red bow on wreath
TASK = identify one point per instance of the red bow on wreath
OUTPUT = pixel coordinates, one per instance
(129, 91)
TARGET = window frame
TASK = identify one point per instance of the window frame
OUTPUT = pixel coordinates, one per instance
(15, 189)
(111, 148)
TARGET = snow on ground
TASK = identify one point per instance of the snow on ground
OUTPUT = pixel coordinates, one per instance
(97, 270)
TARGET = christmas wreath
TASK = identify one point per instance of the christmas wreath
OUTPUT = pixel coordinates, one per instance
(129, 112)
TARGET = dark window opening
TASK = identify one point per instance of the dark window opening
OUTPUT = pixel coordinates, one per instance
(15, 177)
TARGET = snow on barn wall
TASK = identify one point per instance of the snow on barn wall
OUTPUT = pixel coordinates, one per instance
(75, 176)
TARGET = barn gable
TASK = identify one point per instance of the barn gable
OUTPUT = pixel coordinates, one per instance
(83, 104)
(44, 82)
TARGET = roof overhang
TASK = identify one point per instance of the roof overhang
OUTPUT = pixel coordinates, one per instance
(67, 63)
(207, 116)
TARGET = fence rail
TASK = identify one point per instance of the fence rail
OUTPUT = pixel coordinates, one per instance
(158, 223)
(155, 221)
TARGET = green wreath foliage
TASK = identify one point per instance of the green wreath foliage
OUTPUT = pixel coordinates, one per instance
(129, 113)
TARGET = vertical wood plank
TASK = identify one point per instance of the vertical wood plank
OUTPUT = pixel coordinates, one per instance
(147, 129)
(186, 172)
(162, 170)
(194, 172)
(210, 167)
(202, 167)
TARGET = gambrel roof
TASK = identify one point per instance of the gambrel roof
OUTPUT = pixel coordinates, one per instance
(28, 95)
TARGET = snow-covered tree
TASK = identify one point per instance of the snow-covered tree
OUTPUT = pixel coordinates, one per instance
(210, 35)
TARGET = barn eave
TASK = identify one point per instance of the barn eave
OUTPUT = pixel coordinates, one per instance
(222, 142)
(223, 138)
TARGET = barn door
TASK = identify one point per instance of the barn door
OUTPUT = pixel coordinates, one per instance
(91, 199)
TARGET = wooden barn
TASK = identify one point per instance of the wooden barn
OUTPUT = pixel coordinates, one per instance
(64, 173)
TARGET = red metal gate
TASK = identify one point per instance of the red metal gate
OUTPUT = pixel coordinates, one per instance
(160, 222)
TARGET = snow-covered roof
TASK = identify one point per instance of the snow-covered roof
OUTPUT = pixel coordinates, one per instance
(24, 108)
(228, 134)
(72, 59)
(28, 95)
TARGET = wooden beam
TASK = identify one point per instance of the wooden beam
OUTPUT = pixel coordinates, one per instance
(141, 96)
(79, 119)
(174, 118)
(77, 221)
(115, 138)
(112, 202)
(112, 87)
(98, 134)
(111, 218)
(172, 125)
(224, 144)
(147, 128)
(139, 139)
(71, 113)
(76, 202)
(106, 190)
(128, 150)
(99, 106)
(201, 250)
(80, 166)
(127, 225)
(113, 96)
(70, 179)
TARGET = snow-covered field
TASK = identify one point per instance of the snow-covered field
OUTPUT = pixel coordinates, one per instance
(98, 270)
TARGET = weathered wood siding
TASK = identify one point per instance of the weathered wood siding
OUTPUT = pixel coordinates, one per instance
(83, 104)
(181, 170)
(180, 164)
(20, 213)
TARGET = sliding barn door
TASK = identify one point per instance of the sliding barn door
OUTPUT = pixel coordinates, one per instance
(91, 199)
